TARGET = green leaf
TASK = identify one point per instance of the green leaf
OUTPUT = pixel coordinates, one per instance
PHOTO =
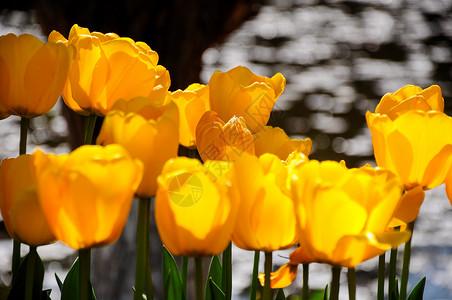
(417, 293)
(45, 295)
(18, 287)
(395, 293)
(215, 273)
(173, 282)
(215, 292)
(316, 295)
(325, 294)
(59, 282)
(70, 289)
(280, 295)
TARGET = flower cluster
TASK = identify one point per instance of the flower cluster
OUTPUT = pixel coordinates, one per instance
(255, 186)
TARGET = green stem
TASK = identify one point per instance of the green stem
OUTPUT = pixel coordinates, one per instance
(254, 279)
(381, 277)
(392, 271)
(305, 289)
(184, 272)
(192, 153)
(267, 293)
(84, 274)
(29, 277)
(199, 278)
(406, 264)
(335, 282)
(144, 211)
(351, 276)
(24, 124)
(227, 272)
(90, 122)
(149, 285)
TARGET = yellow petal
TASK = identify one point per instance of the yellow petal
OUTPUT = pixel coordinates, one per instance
(281, 278)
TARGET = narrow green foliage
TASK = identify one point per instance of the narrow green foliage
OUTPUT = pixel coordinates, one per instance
(417, 293)
(325, 294)
(70, 289)
(280, 295)
(19, 282)
(173, 282)
(215, 275)
(214, 290)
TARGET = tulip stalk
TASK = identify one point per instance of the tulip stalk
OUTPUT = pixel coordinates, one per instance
(335, 282)
(143, 276)
(29, 279)
(392, 271)
(90, 122)
(406, 264)
(84, 256)
(24, 124)
(254, 279)
(351, 278)
(267, 293)
(305, 289)
(199, 278)
(381, 277)
(227, 272)
(184, 272)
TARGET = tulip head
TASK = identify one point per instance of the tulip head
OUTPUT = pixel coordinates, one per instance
(192, 103)
(32, 74)
(410, 97)
(275, 140)
(148, 131)
(266, 217)
(343, 213)
(217, 140)
(107, 68)
(239, 92)
(195, 207)
(86, 195)
(19, 203)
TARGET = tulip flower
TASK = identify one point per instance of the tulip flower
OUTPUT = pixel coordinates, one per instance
(148, 131)
(413, 140)
(192, 103)
(107, 68)
(195, 208)
(217, 140)
(266, 212)
(275, 140)
(239, 92)
(343, 215)
(19, 202)
(32, 74)
(86, 195)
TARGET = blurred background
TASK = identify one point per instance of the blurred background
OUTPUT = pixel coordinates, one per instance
(339, 58)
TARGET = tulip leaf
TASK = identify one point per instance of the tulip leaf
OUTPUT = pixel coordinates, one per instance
(417, 293)
(45, 295)
(215, 273)
(173, 282)
(325, 294)
(316, 295)
(19, 282)
(59, 282)
(70, 290)
(280, 295)
(395, 293)
(215, 292)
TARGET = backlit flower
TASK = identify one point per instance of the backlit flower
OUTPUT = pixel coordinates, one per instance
(239, 92)
(19, 202)
(32, 74)
(86, 195)
(107, 68)
(192, 103)
(194, 207)
(148, 131)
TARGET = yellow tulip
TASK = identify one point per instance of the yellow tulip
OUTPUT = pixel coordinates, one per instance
(239, 92)
(195, 208)
(343, 213)
(217, 140)
(266, 217)
(86, 196)
(19, 202)
(193, 102)
(275, 140)
(410, 97)
(32, 74)
(148, 131)
(107, 68)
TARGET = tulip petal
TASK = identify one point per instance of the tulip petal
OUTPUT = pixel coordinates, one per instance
(281, 278)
